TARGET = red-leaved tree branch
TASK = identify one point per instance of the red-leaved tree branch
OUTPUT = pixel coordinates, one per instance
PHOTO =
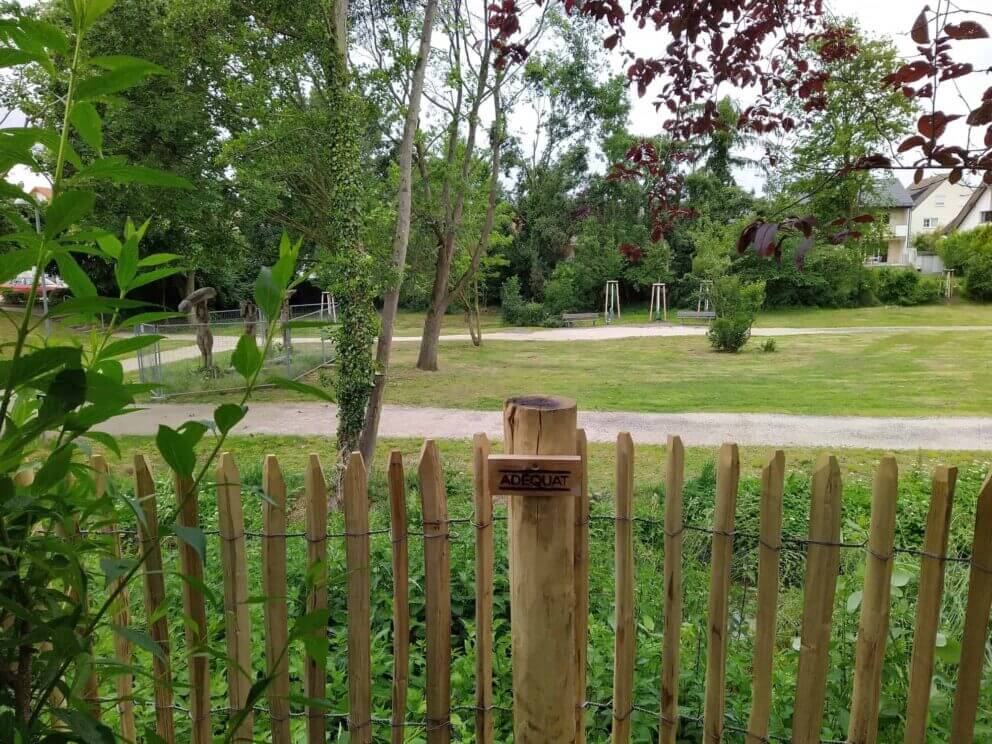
(763, 46)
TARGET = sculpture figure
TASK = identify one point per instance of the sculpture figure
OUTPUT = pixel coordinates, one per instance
(197, 303)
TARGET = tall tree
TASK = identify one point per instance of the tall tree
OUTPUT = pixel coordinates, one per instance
(401, 233)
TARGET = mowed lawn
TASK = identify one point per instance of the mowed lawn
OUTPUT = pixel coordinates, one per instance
(899, 374)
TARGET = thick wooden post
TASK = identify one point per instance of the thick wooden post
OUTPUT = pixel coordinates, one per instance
(873, 629)
(931, 591)
(542, 578)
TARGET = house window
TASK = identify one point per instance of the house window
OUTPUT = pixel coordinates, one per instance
(986, 216)
(929, 223)
(940, 200)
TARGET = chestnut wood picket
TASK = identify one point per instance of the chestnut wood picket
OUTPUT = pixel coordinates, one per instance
(269, 713)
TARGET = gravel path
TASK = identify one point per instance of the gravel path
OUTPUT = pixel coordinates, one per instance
(705, 429)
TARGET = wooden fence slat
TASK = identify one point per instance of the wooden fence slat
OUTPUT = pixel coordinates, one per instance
(357, 560)
(188, 515)
(437, 585)
(624, 639)
(144, 491)
(671, 644)
(231, 525)
(873, 628)
(929, 596)
(484, 724)
(401, 593)
(976, 623)
(122, 618)
(820, 586)
(581, 564)
(727, 478)
(315, 671)
(769, 554)
(275, 612)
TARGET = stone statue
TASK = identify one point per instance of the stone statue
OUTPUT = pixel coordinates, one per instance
(197, 303)
(249, 314)
(284, 316)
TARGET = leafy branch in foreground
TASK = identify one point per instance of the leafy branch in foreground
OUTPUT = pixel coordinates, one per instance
(58, 393)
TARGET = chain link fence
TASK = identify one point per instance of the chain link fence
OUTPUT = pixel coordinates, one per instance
(174, 364)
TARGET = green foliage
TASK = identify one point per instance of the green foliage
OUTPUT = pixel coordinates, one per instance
(736, 307)
(905, 287)
(517, 311)
(958, 248)
(559, 293)
(978, 277)
(57, 393)
(769, 345)
(833, 276)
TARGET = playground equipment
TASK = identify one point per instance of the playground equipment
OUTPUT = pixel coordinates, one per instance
(328, 307)
(611, 310)
(197, 303)
(659, 302)
(705, 290)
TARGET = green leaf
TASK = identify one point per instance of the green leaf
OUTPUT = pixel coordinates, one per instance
(45, 34)
(117, 170)
(155, 275)
(66, 392)
(136, 320)
(91, 306)
(105, 440)
(14, 57)
(55, 469)
(84, 726)
(129, 346)
(301, 387)
(157, 259)
(110, 245)
(92, 10)
(194, 537)
(114, 568)
(227, 416)
(140, 639)
(115, 81)
(268, 293)
(34, 365)
(14, 262)
(74, 276)
(900, 578)
(123, 61)
(127, 264)
(177, 446)
(66, 209)
(854, 601)
(86, 120)
(246, 358)
(949, 651)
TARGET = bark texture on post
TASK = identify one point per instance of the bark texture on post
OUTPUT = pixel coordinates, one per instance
(542, 576)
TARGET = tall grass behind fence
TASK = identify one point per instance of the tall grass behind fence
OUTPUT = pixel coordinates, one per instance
(733, 616)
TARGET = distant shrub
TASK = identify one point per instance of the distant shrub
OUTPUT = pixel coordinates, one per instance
(957, 249)
(769, 346)
(905, 287)
(511, 301)
(978, 277)
(736, 306)
(560, 295)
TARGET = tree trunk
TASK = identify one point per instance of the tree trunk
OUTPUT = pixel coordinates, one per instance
(401, 238)
(190, 288)
(431, 338)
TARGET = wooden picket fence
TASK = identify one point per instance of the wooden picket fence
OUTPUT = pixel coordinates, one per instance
(822, 548)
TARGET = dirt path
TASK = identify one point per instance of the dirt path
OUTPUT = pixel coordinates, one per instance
(705, 429)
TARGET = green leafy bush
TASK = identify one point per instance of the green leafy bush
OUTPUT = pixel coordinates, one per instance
(559, 291)
(905, 287)
(511, 301)
(978, 277)
(736, 307)
(957, 249)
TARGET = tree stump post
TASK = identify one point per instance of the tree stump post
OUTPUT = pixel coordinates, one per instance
(542, 576)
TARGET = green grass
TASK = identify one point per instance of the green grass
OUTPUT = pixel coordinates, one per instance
(897, 374)
(698, 499)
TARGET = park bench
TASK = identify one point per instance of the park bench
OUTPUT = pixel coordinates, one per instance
(704, 315)
(570, 319)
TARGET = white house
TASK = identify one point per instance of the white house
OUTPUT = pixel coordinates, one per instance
(936, 202)
(976, 212)
(898, 205)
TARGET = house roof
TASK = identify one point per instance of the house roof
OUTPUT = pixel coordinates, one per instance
(891, 193)
(42, 192)
(969, 205)
(923, 189)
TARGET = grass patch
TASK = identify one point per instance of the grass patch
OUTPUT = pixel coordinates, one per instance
(894, 374)
(649, 616)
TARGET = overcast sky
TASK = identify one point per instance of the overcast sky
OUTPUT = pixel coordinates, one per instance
(883, 18)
